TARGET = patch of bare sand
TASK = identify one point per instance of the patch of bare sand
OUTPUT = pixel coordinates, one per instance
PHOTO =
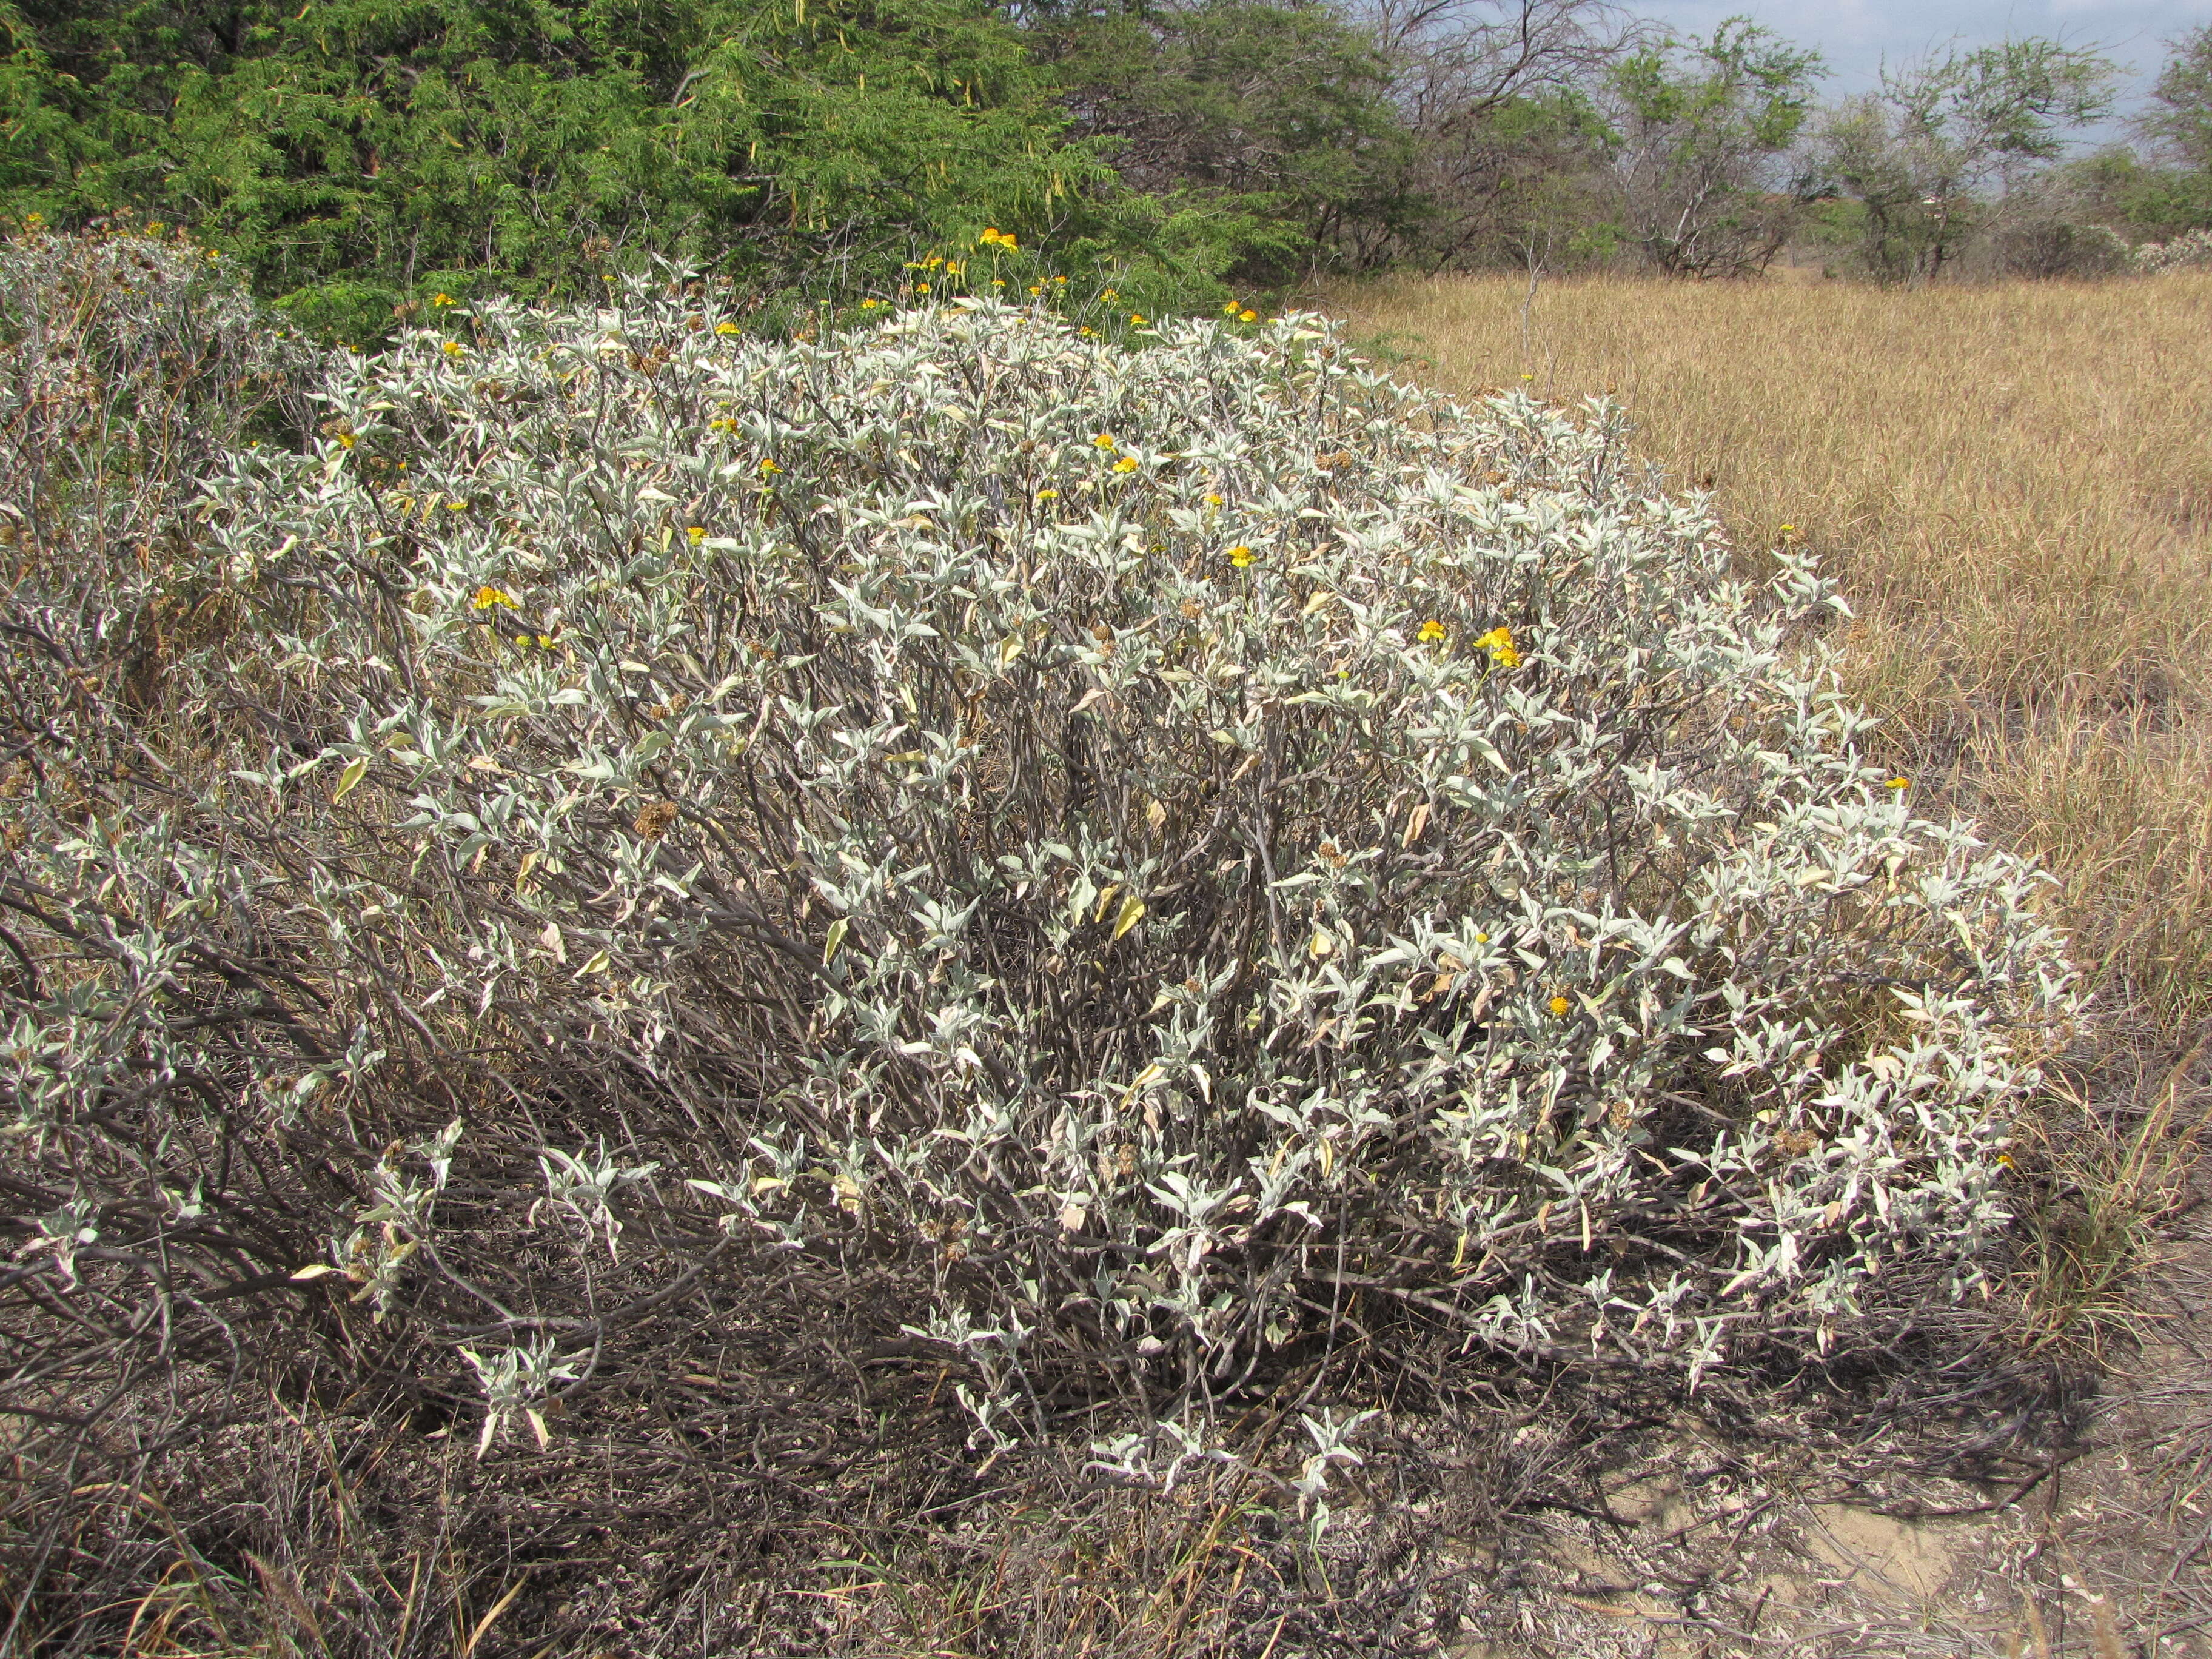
(1699, 1548)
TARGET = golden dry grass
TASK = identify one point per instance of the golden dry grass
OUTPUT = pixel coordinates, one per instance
(2015, 484)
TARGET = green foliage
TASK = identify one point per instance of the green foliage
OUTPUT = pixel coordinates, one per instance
(2143, 199)
(1930, 155)
(2180, 116)
(1527, 180)
(356, 157)
(2169, 195)
(367, 148)
(1265, 132)
(1701, 123)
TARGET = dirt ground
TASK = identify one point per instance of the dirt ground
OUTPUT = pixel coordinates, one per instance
(1698, 1549)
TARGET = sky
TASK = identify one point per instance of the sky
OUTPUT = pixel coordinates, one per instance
(1856, 36)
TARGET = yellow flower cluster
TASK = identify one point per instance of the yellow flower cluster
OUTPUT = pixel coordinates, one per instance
(1498, 642)
(999, 238)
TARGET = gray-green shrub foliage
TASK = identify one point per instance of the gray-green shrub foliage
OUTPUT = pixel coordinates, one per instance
(1143, 846)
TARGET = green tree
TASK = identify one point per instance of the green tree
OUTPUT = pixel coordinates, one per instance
(1702, 125)
(2141, 198)
(1930, 157)
(2179, 120)
(1263, 133)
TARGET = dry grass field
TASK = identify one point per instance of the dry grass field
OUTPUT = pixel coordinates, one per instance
(2014, 482)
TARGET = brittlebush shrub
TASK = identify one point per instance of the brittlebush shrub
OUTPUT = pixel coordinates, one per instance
(1133, 847)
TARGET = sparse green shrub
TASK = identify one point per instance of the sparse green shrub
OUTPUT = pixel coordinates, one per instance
(1153, 858)
(2046, 245)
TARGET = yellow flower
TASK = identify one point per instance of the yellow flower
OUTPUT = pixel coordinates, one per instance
(1560, 1004)
(1431, 631)
(346, 440)
(1109, 295)
(1062, 281)
(1048, 495)
(1037, 288)
(441, 298)
(921, 288)
(1212, 499)
(1085, 331)
(455, 348)
(1527, 377)
(1898, 783)
(1250, 317)
(1498, 642)
(697, 533)
(1482, 938)
(1240, 555)
(768, 466)
(1788, 529)
(1127, 464)
(456, 507)
(488, 597)
(1000, 281)
(1104, 441)
(726, 328)
(1136, 317)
